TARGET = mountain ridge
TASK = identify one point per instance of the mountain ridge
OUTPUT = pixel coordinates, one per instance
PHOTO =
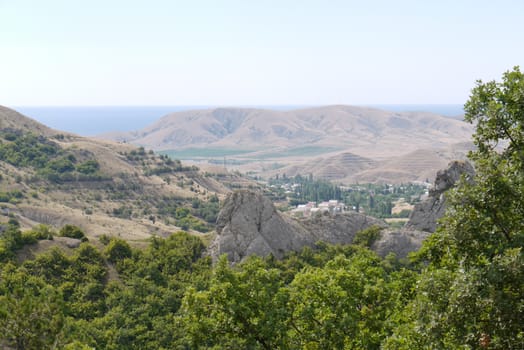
(352, 128)
(313, 140)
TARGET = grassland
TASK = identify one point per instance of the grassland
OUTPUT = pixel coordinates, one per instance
(199, 153)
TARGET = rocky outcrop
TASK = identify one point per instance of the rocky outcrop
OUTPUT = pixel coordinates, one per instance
(426, 214)
(249, 224)
(339, 228)
(424, 218)
(401, 242)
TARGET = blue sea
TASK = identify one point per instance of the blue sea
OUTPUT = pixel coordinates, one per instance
(90, 121)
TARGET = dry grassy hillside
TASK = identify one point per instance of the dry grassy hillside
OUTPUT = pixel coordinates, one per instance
(110, 188)
(313, 140)
(347, 127)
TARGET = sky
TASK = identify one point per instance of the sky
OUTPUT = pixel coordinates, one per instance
(242, 52)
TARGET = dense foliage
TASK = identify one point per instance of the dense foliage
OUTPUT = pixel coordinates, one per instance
(471, 294)
(43, 155)
(169, 296)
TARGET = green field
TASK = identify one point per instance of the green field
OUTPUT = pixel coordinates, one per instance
(197, 153)
(210, 153)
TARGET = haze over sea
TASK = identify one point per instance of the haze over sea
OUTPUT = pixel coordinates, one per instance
(95, 120)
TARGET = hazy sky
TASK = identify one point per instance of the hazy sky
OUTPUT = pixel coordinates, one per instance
(227, 52)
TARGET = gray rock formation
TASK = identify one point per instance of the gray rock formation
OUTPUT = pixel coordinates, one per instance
(339, 228)
(426, 214)
(249, 224)
(69, 242)
(401, 242)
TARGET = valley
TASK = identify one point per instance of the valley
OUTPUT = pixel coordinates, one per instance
(314, 175)
(114, 245)
(351, 144)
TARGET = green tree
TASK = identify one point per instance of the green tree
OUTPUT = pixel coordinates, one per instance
(88, 167)
(117, 250)
(72, 231)
(244, 308)
(472, 293)
(343, 305)
(31, 312)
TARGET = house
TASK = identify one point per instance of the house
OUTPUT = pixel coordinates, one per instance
(306, 210)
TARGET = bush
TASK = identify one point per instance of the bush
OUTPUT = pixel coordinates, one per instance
(72, 231)
(104, 239)
(117, 250)
(367, 236)
(11, 196)
(37, 233)
(88, 167)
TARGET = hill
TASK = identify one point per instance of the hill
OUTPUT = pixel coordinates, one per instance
(56, 178)
(347, 139)
(337, 167)
(419, 165)
(347, 127)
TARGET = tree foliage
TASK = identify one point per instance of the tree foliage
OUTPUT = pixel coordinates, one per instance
(472, 293)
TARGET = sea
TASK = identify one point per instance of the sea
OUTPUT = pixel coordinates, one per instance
(97, 120)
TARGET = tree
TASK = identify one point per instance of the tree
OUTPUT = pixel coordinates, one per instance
(31, 312)
(117, 250)
(72, 231)
(471, 294)
(88, 167)
(354, 199)
(244, 308)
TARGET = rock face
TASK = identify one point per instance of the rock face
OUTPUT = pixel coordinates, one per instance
(423, 220)
(426, 214)
(249, 224)
(340, 228)
(401, 242)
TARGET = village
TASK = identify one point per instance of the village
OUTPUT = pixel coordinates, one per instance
(306, 210)
(306, 197)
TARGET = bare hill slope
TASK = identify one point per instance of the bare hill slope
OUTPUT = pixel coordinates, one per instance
(342, 143)
(367, 132)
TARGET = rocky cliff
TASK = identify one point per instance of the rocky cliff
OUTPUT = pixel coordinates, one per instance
(250, 224)
(426, 214)
(424, 218)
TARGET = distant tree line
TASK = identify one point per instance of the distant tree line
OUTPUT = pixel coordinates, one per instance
(373, 199)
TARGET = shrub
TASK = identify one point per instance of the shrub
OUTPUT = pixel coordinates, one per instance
(367, 236)
(37, 233)
(117, 250)
(72, 231)
(88, 167)
(104, 239)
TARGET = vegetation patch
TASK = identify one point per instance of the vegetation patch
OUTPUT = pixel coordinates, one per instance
(49, 161)
(373, 199)
(195, 153)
